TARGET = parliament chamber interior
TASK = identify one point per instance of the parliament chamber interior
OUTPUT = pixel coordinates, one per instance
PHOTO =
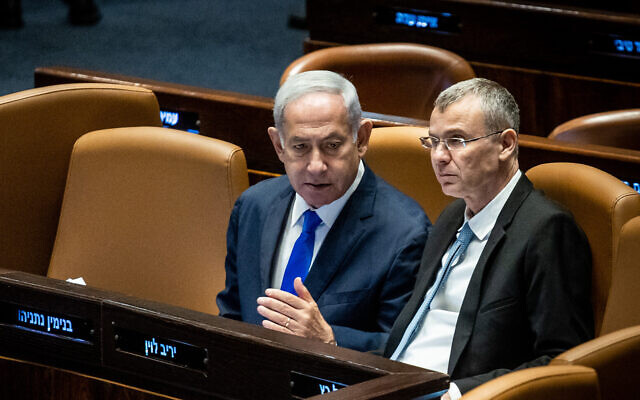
(142, 330)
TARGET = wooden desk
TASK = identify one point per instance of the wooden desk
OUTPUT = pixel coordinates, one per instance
(73, 338)
(544, 54)
(234, 117)
(244, 120)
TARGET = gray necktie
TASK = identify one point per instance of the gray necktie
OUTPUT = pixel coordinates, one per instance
(455, 255)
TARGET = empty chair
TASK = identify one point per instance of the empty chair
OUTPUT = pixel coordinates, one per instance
(601, 205)
(549, 383)
(145, 213)
(619, 128)
(396, 155)
(616, 359)
(37, 130)
(391, 78)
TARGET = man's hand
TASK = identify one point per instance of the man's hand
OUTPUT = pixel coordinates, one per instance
(297, 315)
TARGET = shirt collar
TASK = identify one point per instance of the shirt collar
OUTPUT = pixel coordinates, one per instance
(482, 223)
(328, 213)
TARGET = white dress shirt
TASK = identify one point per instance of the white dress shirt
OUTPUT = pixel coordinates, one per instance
(431, 346)
(327, 213)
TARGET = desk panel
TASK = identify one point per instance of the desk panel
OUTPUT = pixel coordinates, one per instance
(164, 350)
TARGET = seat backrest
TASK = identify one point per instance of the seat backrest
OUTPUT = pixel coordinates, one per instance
(616, 359)
(391, 78)
(620, 128)
(145, 213)
(566, 382)
(37, 130)
(396, 155)
(601, 205)
(623, 306)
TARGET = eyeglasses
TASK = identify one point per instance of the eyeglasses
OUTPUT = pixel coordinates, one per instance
(432, 142)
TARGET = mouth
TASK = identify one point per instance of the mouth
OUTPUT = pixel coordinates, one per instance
(446, 178)
(317, 186)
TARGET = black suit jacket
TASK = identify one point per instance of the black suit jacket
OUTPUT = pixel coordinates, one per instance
(362, 275)
(529, 295)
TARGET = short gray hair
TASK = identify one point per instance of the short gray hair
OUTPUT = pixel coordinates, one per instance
(498, 105)
(307, 82)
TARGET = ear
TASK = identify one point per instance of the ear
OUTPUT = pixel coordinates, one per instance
(364, 133)
(508, 142)
(275, 140)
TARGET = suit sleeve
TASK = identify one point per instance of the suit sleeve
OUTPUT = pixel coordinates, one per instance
(396, 291)
(228, 300)
(557, 283)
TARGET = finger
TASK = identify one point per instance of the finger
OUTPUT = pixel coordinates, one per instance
(303, 292)
(273, 316)
(277, 306)
(275, 327)
(286, 297)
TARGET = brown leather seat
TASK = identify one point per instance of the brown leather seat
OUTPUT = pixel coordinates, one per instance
(619, 128)
(601, 205)
(145, 213)
(567, 382)
(615, 354)
(396, 155)
(623, 306)
(616, 359)
(37, 130)
(391, 78)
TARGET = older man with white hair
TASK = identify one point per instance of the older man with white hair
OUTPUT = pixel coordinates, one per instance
(328, 251)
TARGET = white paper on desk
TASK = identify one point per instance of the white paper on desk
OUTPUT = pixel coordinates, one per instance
(77, 281)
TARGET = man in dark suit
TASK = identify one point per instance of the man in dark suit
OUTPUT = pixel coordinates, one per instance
(364, 248)
(504, 281)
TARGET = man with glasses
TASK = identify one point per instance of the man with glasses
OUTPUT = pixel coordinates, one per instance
(504, 282)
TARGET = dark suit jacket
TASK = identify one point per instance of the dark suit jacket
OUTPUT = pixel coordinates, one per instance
(529, 296)
(362, 275)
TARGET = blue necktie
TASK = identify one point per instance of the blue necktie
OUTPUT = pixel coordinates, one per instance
(455, 255)
(302, 252)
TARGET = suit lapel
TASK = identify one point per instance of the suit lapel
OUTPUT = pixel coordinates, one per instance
(439, 240)
(271, 232)
(343, 236)
(471, 302)
(432, 256)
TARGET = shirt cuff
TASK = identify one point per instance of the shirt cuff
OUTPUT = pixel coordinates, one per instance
(454, 392)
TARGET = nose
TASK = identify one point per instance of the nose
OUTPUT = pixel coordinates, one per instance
(316, 163)
(440, 153)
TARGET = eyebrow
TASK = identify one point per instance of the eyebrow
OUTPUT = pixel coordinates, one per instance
(331, 136)
(450, 132)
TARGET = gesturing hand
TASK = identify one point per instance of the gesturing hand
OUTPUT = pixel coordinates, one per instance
(297, 315)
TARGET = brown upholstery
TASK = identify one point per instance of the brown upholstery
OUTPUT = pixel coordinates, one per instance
(601, 205)
(619, 128)
(37, 130)
(391, 78)
(623, 306)
(616, 359)
(145, 213)
(396, 155)
(547, 383)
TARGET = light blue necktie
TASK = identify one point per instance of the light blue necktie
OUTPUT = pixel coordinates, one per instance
(302, 252)
(456, 253)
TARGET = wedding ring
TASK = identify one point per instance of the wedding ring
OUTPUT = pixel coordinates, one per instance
(286, 325)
